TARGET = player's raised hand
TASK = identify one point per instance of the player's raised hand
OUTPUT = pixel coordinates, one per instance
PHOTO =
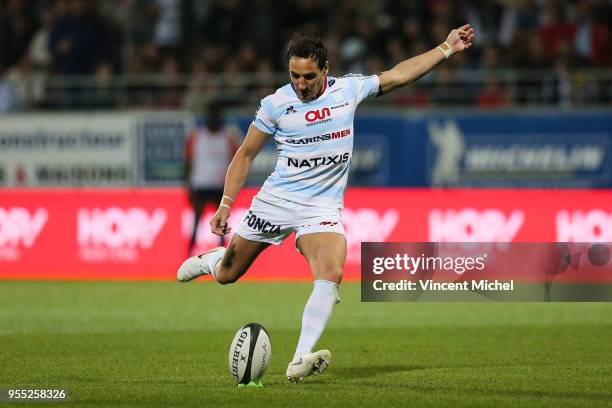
(218, 224)
(460, 39)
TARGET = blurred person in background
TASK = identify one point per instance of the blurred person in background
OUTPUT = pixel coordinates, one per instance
(39, 53)
(17, 26)
(493, 94)
(170, 93)
(556, 29)
(103, 95)
(593, 40)
(311, 120)
(168, 28)
(208, 151)
(200, 89)
(20, 75)
(79, 40)
(9, 97)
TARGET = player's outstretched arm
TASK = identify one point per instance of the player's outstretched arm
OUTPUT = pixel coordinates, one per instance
(408, 71)
(236, 176)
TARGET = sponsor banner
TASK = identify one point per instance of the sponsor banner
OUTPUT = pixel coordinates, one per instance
(162, 144)
(143, 233)
(509, 271)
(518, 149)
(509, 149)
(67, 150)
(88, 233)
(503, 149)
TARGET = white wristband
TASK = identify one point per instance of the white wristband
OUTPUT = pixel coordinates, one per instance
(228, 206)
(446, 49)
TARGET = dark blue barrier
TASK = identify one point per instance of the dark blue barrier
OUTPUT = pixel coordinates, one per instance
(560, 149)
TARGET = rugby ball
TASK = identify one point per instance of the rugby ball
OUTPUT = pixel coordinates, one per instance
(250, 353)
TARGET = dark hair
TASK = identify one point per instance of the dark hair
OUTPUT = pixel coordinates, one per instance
(302, 46)
(215, 107)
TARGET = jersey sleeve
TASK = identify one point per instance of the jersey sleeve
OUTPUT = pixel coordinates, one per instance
(364, 86)
(264, 120)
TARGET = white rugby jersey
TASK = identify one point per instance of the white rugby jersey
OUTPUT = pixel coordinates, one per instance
(314, 139)
(210, 154)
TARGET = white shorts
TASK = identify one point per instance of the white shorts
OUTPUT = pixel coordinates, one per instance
(271, 219)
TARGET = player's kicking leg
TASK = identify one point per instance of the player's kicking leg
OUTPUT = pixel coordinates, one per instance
(325, 253)
(226, 265)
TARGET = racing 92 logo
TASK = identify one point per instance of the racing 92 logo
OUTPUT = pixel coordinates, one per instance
(318, 114)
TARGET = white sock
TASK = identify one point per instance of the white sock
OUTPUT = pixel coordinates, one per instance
(316, 313)
(212, 260)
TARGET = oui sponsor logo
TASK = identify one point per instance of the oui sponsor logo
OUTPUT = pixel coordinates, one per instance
(318, 114)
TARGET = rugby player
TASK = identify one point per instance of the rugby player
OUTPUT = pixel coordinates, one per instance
(311, 120)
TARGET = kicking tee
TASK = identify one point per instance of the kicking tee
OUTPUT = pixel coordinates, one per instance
(314, 139)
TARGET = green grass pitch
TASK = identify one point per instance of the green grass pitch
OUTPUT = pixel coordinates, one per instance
(166, 344)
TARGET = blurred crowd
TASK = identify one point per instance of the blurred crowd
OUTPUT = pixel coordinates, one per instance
(182, 53)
